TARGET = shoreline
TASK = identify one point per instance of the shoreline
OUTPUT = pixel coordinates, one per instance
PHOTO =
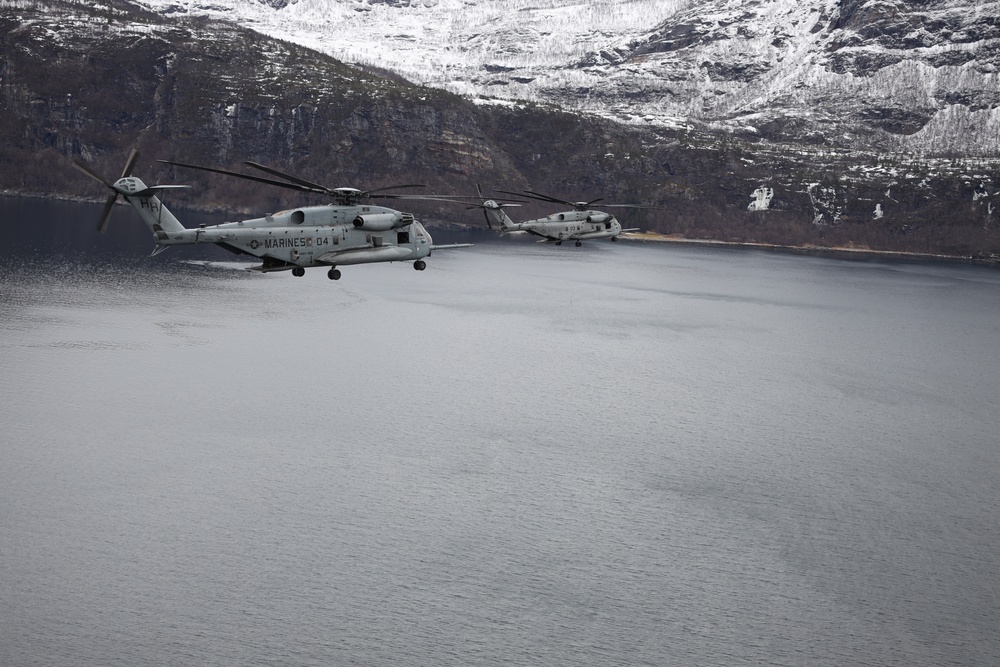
(643, 237)
(653, 237)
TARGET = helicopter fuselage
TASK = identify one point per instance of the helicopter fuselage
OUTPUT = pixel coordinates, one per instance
(327, 235)
(571, 226)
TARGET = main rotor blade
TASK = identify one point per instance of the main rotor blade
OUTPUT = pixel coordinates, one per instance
(577, 205)
(130, 163)
(248, 177)
(102, 224)
(97, 177)
(510, 192)
(289, 177)
(453, 199)
(483, 206)
(393, 187)
(478, 200)
(554, 200)
(534, 195)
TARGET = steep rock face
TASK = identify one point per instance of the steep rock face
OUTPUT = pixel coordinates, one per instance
(950, 48)
(841, 73)
(79, 82)
(850, 73)
(216, 94)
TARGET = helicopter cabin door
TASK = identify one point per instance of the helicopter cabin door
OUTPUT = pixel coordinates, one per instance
(305, 252)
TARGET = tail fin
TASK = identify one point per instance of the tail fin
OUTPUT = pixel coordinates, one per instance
(154, 214)
(494, 213)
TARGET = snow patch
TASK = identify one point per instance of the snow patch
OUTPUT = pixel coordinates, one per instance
(761, 199)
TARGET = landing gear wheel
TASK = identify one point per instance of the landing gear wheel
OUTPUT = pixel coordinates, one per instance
(579, 243)
(614, 238)
(298, 272)
(558, 242)
(333, 274)
(420, 265)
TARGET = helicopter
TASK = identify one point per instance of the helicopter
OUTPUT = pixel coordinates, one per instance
(579, 225)
(347, 231)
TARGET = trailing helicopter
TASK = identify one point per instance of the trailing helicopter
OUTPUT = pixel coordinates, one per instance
(348, 231)
(579, 225)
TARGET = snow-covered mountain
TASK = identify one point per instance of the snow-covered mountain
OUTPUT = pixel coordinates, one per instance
(753, 148)
(898, 76)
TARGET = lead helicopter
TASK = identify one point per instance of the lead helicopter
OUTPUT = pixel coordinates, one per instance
(346, 231)
(579, 225)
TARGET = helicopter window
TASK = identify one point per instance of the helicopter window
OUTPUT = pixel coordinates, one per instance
(402, 237)
(562, 217)
(298, 217)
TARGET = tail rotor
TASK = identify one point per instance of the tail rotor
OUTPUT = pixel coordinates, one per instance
(102, 224)
(486, 214)
(496, 207)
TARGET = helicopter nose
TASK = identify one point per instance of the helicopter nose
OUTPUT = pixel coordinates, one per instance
(423, 236)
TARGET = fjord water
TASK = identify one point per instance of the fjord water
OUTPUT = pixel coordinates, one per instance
(530, 455)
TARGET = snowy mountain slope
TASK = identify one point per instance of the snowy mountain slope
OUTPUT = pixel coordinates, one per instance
(899, 76)
(893, 74)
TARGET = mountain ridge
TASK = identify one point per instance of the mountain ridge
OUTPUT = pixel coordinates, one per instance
(917, 77)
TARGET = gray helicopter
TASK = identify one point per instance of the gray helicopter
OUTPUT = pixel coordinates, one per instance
(579, 225)
(347, 231)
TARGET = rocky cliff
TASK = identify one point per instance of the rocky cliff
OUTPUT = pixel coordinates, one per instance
(893, 76)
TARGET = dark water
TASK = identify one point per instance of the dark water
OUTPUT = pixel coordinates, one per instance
(611, 455)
